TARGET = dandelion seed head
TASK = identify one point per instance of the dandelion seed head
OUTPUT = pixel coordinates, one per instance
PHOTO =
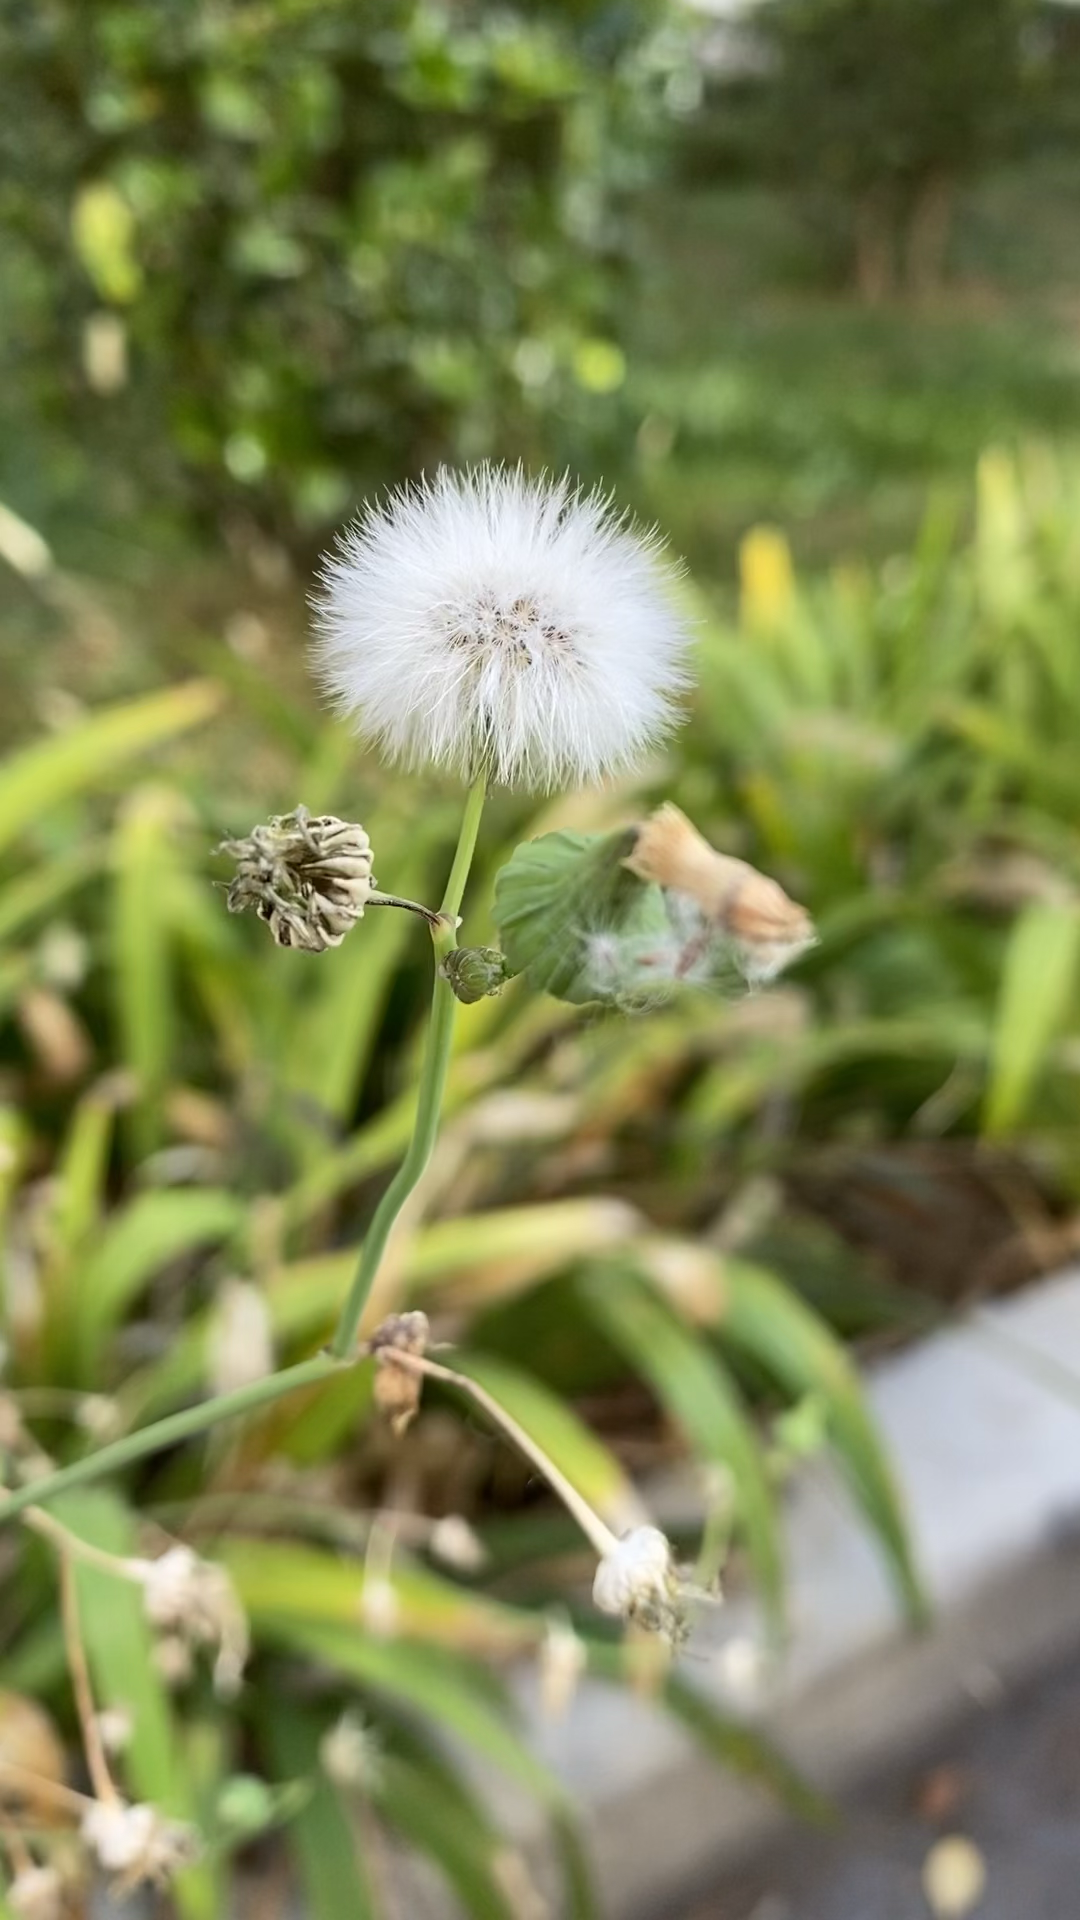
(488, 619)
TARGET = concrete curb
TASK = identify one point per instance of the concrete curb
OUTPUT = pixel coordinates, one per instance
(983, 1426)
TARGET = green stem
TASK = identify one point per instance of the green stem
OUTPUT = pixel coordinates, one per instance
(167, 1432)
(226, 1406)
(429, 1093)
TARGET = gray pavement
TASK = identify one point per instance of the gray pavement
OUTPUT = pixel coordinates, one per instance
(1008, 1779)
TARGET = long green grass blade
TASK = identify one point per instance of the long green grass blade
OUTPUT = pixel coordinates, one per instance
(42, 775)
(766, 1320)
(696, 1390)
(336, 1884)
(1038, 987)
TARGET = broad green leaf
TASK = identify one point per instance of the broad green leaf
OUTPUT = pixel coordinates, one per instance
(557, 1430)
(557, 891)
(119, 1648)
(1038, 986)
(766, 1320)
(696, 1390)
(335, 1879)
(42, 775)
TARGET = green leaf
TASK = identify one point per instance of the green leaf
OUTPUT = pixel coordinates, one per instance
(141, 973)
(335, 1879)
(42, 775)
(38, 892)
(277, 1578)
(765, 1319)
(136, 1243)
(1038, 984)
(556, 891)
(337, 1024)
(744, 1751)
(696, 1390)
(440, 1687)
(568, 1442)
(455, 1838)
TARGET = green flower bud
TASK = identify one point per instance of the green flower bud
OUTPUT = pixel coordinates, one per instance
(475, 972)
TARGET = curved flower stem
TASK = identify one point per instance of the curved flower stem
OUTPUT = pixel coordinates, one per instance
(596, 1530)
(430, 1091)
(167, 1432)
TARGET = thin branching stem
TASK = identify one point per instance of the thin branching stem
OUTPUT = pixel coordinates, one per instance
(93, 1745)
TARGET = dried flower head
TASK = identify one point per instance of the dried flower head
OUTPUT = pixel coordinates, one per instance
(194, 1601)
(453, 1541)
(351, 1753)
(37, 1893)
(562, 1660)
(308, 877)
(397, 1388)
(135, 1844)
(241, 1346)
(729, 899)
(488, 619)
(637, 1582)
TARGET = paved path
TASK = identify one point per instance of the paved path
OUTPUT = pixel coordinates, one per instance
(1009, 1780)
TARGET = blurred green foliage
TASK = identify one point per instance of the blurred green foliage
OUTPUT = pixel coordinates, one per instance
(275, 255)
(870, 114)
(259, 261)
(636, 1232)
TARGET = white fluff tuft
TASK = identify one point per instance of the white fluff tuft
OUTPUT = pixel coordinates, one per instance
(489, 619)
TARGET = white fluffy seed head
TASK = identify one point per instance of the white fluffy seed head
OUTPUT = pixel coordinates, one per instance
(488, 619)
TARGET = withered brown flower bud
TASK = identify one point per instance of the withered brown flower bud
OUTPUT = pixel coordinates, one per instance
(766, 929)
(309, 877)
(397, 1388)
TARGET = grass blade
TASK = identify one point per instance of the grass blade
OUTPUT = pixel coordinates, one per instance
(42, 775)
(1038, 984)
(695, 1388)
(335, 1882)
(766, 1320)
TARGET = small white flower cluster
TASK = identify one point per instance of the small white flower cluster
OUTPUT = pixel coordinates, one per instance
(134, 1843)
(308, 878)
(193, 1604)
(636, 1581)
(488, 620)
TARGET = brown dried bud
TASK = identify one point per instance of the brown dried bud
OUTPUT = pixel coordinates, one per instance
(308, 878)
(764, 926)
(397, 1388)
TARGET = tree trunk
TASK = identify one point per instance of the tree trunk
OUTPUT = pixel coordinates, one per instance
(928, 230)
